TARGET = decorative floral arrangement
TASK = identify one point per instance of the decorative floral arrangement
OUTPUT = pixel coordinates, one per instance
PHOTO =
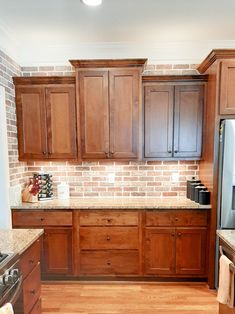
(31, 191)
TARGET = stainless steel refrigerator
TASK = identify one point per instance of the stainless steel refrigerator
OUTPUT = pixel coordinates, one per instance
(226, 184)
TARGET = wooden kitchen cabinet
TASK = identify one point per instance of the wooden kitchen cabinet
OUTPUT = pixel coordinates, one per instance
(56, 253)
(175, 243)
(109, 100)
(46, 118)
(226, 88)
(173, 114)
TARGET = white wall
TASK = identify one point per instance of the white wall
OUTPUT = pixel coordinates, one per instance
(5, 213)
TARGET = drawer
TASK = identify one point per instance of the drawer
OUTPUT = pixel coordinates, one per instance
(108, 218)
(31, 289)
(37, 309)
(40, 218)
(30, 258)
(109, 263)
(98, 238)
(176, 218)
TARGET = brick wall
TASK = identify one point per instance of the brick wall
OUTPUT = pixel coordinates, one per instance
(143, 179)
(9, 68)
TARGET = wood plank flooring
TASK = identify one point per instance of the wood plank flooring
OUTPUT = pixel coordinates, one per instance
(128, 298)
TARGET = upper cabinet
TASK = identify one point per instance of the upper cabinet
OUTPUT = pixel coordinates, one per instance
(173, 115)
(46, 118)
(109, 98)
(226, 88)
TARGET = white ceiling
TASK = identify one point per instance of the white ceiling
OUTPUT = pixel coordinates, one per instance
(52, 31)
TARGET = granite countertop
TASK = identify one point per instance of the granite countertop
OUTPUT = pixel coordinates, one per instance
(114, 203)
(18, 240)
(228, 236)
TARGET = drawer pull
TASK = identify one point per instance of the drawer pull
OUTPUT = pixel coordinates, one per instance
(108, 238)
(33, 291)
(108, 263)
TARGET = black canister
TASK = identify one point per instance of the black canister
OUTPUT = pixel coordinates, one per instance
(204, 197)
(197, 190)
(193, 187)
(189, 182)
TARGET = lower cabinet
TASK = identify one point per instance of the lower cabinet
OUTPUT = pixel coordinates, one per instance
(56, 252)
(31, 287)
(57, 244)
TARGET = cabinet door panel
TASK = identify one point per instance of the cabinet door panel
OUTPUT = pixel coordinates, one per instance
(94, 113)
(160, 251)
(58, 251)
(226, 89)
(61, 122)
(188, 120)
(124, 113)
(31, 121)
(190, 251)
(158, 102)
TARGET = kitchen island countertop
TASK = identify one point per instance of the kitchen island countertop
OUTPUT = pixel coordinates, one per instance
(114, 203)
(18, 240)
(228, 236)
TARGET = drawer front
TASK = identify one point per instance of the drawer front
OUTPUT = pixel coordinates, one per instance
(37, 309)
(109, 263)
(177, 218)
(30, 259)
(40, 218)
(31, 289)
(98, 238)
(108, 218)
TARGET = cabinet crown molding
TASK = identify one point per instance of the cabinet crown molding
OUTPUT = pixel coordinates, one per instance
(174, 78)
(214, 55)
(108, 63)
(43, 80)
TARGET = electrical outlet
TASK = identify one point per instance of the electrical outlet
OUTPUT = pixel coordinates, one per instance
(175, 177)
(111, 177)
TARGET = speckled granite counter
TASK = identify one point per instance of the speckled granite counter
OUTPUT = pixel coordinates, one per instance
(228, 236)
(114, 203)
(18, 240)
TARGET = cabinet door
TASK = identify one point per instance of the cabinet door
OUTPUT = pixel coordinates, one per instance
(94, 114)
(188, 120)
(190, 251)
(158, 128)
(31, 122)
(58, 251)
(160, 251)
(226, 88)
(124, 113)
(61, 122)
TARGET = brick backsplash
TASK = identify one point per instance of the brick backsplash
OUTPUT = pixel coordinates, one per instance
(90, 179)
(8, 69)
(132, 179)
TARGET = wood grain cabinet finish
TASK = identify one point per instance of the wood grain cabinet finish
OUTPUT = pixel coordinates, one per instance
(109, 97)
(173, 120)
(177, 250)
(31, 286)
(56, 252)
(46, 118)
(226, 88)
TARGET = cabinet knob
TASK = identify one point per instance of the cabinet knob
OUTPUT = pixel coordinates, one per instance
(33, 291)
(31, 261)
(179, 234)
(108, 238)
(176, 219)
(49, 153)
(173, 234)
(175, 151)
(169, 151)
(42, 219)
(108, 263)
(109, 220)
(107, 154)
(44, 153)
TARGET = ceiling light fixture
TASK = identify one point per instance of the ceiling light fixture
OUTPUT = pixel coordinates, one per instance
(92, 2)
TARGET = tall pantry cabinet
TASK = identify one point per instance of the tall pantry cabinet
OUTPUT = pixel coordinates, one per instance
(108, 94)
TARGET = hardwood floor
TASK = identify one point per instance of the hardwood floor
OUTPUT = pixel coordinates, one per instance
(128, 298)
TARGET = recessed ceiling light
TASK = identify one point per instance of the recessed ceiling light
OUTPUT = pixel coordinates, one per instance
(92, 2)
